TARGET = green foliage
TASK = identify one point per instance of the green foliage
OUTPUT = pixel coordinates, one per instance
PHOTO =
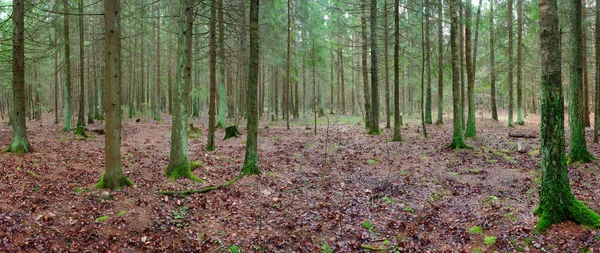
(102, 218)
(490, 240)
(325, 248)
(122, 213)
(180, 213)
(386, 199)
(234, 249)
(475, 229)
(368, 226)
(409, 209)
(373, 161)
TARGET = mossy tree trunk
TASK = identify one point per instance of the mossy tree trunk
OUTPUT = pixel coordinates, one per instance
(365, 72)
(577, 149)
(113, 176)
(179, 161)
(457, 140)
(471, 128)
(520, 110)
(80, 129)
(397, 120)
(222, 88)
(251, 156)
(374, 129)
(20, 143)
(557, 203)
(597, 79)
(67, 91)
(586, 102)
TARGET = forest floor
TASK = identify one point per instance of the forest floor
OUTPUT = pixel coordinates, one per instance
(341, 190)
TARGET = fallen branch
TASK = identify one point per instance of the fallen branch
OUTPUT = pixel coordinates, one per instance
(201, 190)
(522, 135)
(372, 248)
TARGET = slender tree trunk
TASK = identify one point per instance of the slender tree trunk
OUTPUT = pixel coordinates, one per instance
(557, 203)
(251, 156)
(222, 61)
(471, 128)
(427, 52)
(586, 102)
(80, 129)
(492, 65)
(457, 140)
(364, 66)
(510, 63)
(374, 78)
(213, 77)
(440, 119)
(113, 176)
(67, 67)
(520, 110)
(577, 149)
(169, 75)
(20, 143)
(385, 60)
(56, 83)
(288, 66)
(424, 63)
(157, 94)
(462, 62)
(597, 72)
(397, 116)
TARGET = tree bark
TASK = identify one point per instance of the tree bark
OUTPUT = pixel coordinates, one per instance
(213, 77)
(457, 140)
(440, 119)
(80, 129)
(251, 156)
(492, 65)
(67, 67)
(364, 67)
(510, 63)
(520, 110)
(397, 120)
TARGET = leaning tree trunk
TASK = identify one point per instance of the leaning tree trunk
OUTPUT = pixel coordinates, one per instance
(179, 161)
(577, 149)
(251, 156)
(557, 203)
(20, 143)
(457, 140)
(113, 174)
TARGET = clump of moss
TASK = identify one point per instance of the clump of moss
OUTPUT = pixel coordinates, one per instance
(102, 218)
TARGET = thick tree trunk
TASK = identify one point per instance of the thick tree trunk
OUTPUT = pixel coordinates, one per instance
(113, 176)
(179, 161)
(20, 143)
(251, 156)
(557, 203)
(471, 130)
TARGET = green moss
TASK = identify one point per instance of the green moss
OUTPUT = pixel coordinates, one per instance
(102, 218)
(575, 211)
(250, 165)
(475, 230)
(122, 213)
(183, 170)
(80, 130)
(377, 132)
(195, 164)
(121, 182)
(19, 147)
(490, 240)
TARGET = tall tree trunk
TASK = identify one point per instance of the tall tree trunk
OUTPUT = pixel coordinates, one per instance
(427, 52)
(213, 77)
(577, 149)
(520, 110)
(423, 67)
(385, 60)
(222, 61)
(170, 75)
(374, 78)
(440, 119)
(365, 72)
(67, 67)
(597, 79)
(113, 176)
(80, 129)
(342, 79)
(586, 102)
(179, 161)
(56, 83)
(20, 143)
(397, 120)
(557, 203)
(471, 128)
(510, 63)
(288, 66)
(492, 65)
(457, 140)
(251, 156)
(462, 63)
(157, 105)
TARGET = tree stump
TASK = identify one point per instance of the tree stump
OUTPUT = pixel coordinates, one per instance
(231, 131)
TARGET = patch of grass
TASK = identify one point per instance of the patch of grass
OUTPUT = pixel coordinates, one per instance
(102, 218)
(491, 199)
(372, 161)
(474, 171)
(490, 240)
(492, 161)
(122, 213)
(325, 248)
(408, 209)
(505, 156)
(475, 230)
(478, 250)
(31, 173)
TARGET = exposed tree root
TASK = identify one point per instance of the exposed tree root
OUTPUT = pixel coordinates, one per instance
(201, 190)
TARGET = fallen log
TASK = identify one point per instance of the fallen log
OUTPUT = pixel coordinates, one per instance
(522, 135)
